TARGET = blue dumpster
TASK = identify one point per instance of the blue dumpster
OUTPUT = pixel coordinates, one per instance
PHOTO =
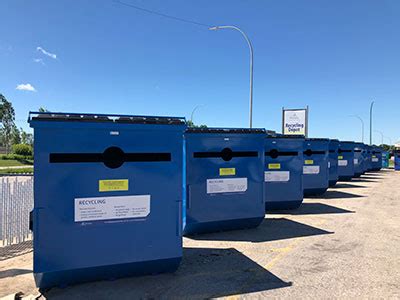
(358, 159)
(315, 168)
(283, 171)
(385, 159)
(364, 157)
(376, 158)
(346, 161)
(107, 196)
(333, 162)
(225, 179)
(368, 158)
(397, 160)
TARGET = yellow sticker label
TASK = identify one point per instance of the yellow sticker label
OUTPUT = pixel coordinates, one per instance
(308, 162)
(274, 166)
(113, 185)
(373, 156)
(227, 171)
(340, 157)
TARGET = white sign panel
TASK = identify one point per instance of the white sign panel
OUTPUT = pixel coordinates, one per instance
(356, 161)
(277, 176)
(226, 185)
(110, 208)
(295, 121)
(375, 159)
(342, 163)
(310, 170)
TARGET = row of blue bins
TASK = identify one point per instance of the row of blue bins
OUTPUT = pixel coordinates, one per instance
(114, 193)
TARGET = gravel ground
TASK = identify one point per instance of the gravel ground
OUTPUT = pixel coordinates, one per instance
(345, 244)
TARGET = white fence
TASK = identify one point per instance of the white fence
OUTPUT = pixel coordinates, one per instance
(16, 201)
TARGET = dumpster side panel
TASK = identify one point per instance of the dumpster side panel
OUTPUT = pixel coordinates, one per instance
(224, 195)
(138, 232)
(333, 162)
(315, 168)
(346, 161)
(283, 173)
(358, 160)
(397, 160)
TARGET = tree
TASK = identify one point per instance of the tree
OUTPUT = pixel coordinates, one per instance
(190, 123)
(43, 109)
(15, 136)
(26, 138)
(7, 118)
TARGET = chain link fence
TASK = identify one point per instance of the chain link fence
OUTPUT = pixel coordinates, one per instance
(16, 201)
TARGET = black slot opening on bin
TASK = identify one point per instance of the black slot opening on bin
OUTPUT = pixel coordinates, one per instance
(310, 152)
(226, 154)
(344, 151)
(274, 153)
(112, 157)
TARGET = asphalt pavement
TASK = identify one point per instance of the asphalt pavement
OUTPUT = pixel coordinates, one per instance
(345, 244)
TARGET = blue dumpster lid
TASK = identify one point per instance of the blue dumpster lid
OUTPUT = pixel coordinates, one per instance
(333, 140)
(225, 130)
(317, 139)
(85, 117)
(347, 142)
(285, 136)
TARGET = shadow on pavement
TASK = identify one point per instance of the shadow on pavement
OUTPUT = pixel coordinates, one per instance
(372, 177)
(363, 180)
(313, 209)
(336, 195)
(204, 273)
(269, 230)
(13, 272)
(15, 250)
(347, 186)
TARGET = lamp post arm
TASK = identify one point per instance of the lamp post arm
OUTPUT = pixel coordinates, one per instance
(251, 65)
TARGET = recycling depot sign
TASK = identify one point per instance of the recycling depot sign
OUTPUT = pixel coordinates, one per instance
(295, 121)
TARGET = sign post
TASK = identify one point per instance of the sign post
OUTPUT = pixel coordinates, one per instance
(295, 121)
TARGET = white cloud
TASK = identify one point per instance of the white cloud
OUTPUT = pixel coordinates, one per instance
(52, 55)
(38, 60)
(25, 87)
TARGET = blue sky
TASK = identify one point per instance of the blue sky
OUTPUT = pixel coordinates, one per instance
(99, 56)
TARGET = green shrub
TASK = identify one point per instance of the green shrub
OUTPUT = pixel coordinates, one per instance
(16, 171)
(22, 149)
(15, 157)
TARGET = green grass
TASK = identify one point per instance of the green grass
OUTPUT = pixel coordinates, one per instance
(15, 163)
(16, 171)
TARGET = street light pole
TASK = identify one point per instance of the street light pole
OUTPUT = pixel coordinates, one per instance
(381, 133)
(251, 66)
(370, 122)
(362, 126)
(384, 137)
(194, 109)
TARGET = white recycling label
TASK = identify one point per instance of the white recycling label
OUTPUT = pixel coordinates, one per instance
(109, 208)
(329, 164)
(277, 176)
(375, 159)
(310, 169)
(342, 163)
(356, 161)
(226, 185)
